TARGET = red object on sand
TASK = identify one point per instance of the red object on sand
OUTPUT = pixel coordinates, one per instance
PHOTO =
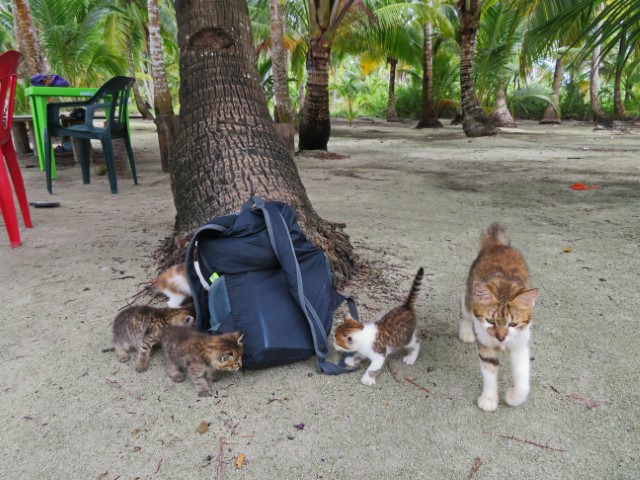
(582, 186)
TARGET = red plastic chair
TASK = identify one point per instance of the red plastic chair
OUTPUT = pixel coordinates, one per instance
(8, 67)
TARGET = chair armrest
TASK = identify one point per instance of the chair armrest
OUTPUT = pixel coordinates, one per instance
(88, 117)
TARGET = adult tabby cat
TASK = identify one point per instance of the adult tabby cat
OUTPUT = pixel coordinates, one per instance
(139, 328)
(498, 305)
(396, 329)
(200, 354)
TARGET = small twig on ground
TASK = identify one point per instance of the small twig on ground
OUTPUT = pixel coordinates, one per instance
(474, 469)
(529, 442)
(222, 443)
(589, 404)
(158, 467)
(417, 385)
(554, 389)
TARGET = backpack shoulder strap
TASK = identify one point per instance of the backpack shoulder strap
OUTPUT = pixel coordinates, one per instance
(280, 240)
(197, 290)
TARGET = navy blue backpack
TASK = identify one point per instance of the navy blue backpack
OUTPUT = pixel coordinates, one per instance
(266, 281)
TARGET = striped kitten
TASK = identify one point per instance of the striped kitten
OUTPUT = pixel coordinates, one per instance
(498, 305)
(200, 354)
(174, 285)
(396, 329)
(140, 327)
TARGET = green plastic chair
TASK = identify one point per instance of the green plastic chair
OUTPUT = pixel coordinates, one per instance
(111, 97)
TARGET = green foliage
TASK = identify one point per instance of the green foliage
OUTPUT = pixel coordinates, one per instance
(409, 101)
(530, 101)
(574, 101)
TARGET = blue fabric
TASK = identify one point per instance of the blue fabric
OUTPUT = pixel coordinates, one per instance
(278, 285)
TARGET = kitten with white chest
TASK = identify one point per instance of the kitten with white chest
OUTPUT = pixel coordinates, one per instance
(396, 329)
(139, 328)
(497, 306)
(174, 285)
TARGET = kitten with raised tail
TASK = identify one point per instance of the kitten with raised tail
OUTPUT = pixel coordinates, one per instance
(497, 306)
(174, 285)
(201, 355)
(396, 329)
(139, 328)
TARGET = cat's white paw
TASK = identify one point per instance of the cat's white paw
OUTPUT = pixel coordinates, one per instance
(487, 404)
(352, 361)
(516, 397)
(367, 379)
(411, 358)
(466, 334)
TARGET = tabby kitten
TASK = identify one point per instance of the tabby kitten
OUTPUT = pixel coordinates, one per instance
(200, 354)
(139, 328)
(498, 305)
(396, 329)
(173, 283)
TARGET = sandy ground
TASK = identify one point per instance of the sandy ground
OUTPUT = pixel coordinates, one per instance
(410, 198)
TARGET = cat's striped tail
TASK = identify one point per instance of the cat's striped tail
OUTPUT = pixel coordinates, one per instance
(413, 293)
(494, 234)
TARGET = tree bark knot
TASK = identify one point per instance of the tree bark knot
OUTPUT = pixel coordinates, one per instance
(212, 39)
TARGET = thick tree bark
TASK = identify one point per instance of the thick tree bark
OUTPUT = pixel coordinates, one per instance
(283, 109)
(33, 59)
(227, 147)
(551, 113)
(161, 96)
(429, 117)
(315, 123)
(392, 115)
(501, 116)
(476, 122)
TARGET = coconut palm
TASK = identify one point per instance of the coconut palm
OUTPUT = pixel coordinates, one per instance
(324, 18)
(227, 147)
(27, 41)
(476, 122)
(390, 38)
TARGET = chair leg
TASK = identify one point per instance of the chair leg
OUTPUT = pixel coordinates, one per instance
(107, 149)
(85, 155)
(18, 183)
(7, 206)
(132, 163)
(47, 159)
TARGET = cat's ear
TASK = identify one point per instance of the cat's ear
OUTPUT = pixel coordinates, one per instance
(526, 299)
(190, 321)
(482, 294)
(347, 318)
(239, 336)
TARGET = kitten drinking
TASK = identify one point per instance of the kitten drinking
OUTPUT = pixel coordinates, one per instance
(498, 305)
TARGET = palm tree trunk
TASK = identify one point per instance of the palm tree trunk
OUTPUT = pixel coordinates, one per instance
(618, 104)
(501, 116)
(429, 117)
(315, 122)
(552, 113)
(141, 105)
(476, 122)
(283, 109)
(594, 89)
(392, 115)
(33, 58)
(165, 119)
(227, 147)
